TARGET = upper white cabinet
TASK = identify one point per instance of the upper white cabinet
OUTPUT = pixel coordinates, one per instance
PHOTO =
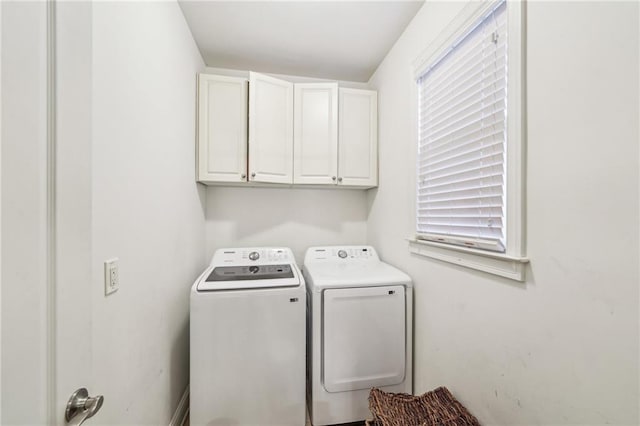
(315, 146)
(336, 136)
(270, 129)
(267, 130)
(358, 138)
(222, 129)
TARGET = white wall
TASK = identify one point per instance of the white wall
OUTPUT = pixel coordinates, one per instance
(561, 348)
(147, 209)
(295, 218)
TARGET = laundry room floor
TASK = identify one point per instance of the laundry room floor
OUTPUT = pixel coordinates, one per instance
(307, 423)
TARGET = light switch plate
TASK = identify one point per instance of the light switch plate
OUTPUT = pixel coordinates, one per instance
(111, 276)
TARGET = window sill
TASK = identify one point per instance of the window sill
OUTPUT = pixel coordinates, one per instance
(492, 263)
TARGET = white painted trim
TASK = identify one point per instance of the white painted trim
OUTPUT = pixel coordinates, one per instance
(182, 410)
(452, 33)
(516, 130)
(0, 211)
(511, 264)
(490, 262)
(51, 215)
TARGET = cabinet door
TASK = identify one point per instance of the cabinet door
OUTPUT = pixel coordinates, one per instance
(363, 337)
(315, 140)
(358, 138)
(270, 129)
(222, 129)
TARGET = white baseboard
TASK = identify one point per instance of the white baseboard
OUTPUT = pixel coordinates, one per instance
(180, 415)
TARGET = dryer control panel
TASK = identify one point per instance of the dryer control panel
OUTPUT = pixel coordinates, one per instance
(341, 254)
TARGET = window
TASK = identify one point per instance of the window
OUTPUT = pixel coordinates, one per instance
(462, 133)
(469, 159)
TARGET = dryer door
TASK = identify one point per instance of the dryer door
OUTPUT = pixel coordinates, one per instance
(363, 337)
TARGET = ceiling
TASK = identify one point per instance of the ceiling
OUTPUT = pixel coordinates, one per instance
(339, 40)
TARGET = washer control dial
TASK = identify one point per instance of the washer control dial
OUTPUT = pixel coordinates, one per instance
(254, 255)
(342, 254)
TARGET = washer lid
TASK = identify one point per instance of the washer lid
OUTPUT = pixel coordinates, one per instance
(331, 275)
(245, 277)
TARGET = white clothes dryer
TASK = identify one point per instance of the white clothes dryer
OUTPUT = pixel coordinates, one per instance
(359, 331)
(248, 340)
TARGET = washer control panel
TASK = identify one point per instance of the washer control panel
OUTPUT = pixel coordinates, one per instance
(341, 254)
(253, 256)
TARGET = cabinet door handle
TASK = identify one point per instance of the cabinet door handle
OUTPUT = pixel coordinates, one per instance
(243, 175)
(339, 179)
(333, 178)
(253, 175)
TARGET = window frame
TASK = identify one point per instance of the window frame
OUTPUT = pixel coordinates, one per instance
(510, 264)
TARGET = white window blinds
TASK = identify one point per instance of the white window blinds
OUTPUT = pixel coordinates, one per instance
(462, 139)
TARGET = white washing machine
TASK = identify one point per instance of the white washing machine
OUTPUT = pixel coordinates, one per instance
(248, 340)
(359, 331)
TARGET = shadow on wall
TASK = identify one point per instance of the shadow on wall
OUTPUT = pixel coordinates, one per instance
(371, 198)
(179, 365)
(253, 210)
(293, 217)
(202, 196)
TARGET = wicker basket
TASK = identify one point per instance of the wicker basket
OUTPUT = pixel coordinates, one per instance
(435, 408)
